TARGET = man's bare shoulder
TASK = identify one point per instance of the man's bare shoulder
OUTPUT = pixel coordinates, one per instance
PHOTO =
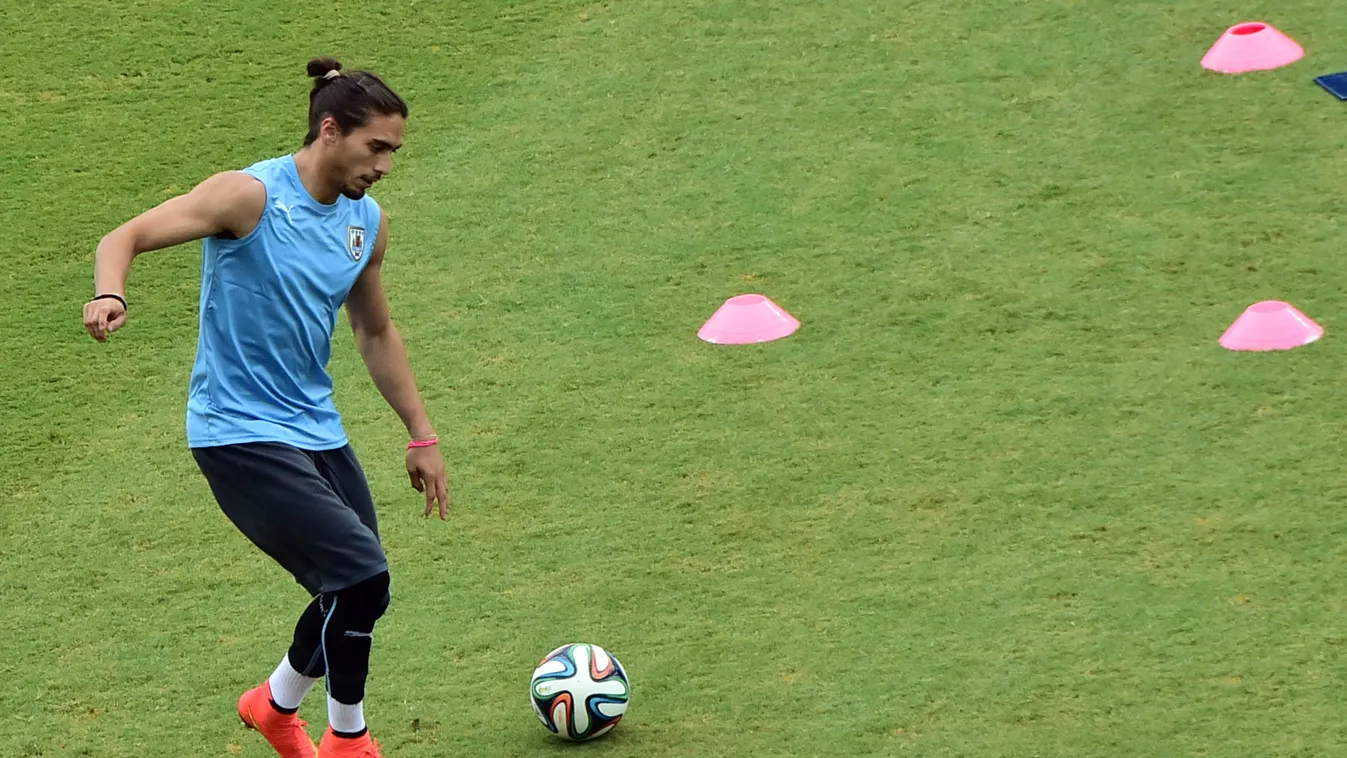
(234, 186)
(238, 200)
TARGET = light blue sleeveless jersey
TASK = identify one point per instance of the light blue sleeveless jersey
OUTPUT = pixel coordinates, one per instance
(268, 307)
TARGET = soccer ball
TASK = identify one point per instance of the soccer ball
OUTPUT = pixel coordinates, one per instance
(579, 691)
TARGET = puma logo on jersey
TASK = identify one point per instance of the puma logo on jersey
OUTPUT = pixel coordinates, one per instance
(286, 209)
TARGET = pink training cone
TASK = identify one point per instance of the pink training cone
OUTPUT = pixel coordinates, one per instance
(1253, 46)
(1271, 325)
(747, 319)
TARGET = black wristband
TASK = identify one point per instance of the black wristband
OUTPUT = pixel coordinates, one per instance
(111, 296)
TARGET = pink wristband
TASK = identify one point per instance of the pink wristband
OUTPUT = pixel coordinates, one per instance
(423, 443)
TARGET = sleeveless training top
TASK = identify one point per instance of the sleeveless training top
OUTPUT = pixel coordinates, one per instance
(268, 306)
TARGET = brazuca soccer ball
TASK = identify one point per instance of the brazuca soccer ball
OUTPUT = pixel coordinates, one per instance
(579, 691)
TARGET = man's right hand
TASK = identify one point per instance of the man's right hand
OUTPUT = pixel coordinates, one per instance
(103, 317)
(230, 201)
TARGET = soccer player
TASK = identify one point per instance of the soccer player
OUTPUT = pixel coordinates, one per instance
(288, 241)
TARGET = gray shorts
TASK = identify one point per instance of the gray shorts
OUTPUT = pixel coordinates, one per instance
(311, 511)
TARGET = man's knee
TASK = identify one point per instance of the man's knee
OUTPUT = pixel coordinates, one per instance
(365, 603)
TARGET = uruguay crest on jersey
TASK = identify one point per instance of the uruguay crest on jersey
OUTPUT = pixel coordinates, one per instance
(355, 241)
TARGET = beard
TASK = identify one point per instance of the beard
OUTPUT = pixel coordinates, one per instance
(356, 191)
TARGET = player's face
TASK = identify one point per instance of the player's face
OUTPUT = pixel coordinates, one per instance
(367, 154)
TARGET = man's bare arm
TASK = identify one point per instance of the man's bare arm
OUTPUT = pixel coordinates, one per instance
(230, 202)
(380, 345)
(227, 203)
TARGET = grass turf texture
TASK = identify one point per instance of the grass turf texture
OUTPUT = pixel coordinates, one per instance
(1002, 495)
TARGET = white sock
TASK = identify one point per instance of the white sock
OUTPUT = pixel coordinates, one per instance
(347, 719)
(288, 687)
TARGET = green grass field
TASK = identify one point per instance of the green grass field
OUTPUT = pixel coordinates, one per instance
(1002, 495)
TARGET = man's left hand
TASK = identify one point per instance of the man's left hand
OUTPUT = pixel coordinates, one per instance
(425, 467)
